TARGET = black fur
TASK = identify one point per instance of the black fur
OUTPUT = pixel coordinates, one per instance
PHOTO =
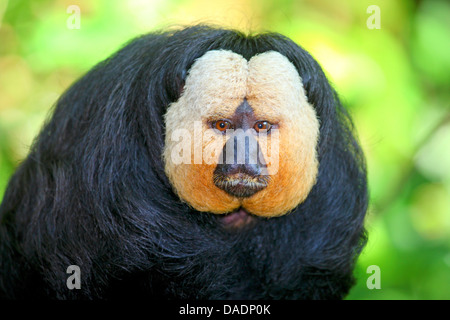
(93, 193)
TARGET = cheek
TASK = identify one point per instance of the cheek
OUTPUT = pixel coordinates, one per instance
(194, 184)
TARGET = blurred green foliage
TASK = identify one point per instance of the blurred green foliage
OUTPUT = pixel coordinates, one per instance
(394, 80)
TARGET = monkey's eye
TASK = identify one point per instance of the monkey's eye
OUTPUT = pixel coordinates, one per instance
(262, 125)
(222, 125)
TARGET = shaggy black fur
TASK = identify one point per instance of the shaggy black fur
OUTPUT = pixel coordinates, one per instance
(93, 193)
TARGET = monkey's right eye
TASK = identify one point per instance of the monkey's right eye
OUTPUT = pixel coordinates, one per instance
(222, 125)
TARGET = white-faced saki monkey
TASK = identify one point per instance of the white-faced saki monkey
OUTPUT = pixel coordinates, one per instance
(197, 163)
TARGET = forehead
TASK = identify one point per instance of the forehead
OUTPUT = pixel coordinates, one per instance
(220, 80)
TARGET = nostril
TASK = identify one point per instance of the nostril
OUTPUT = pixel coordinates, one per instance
(252, 170)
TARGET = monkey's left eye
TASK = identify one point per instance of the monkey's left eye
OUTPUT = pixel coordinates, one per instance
(262, 125)
(222, 125)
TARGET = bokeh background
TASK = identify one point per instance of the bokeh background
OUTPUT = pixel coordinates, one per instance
(395, 81)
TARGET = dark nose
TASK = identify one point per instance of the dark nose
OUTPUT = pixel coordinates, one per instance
(240, 155)
(239, 173)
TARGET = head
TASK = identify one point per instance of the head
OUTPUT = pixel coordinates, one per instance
(246, 133)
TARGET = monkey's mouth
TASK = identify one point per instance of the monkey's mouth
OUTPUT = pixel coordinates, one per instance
(237, 219)
(240, 185)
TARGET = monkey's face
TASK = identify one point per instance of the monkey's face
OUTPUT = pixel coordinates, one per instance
(242, 135)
